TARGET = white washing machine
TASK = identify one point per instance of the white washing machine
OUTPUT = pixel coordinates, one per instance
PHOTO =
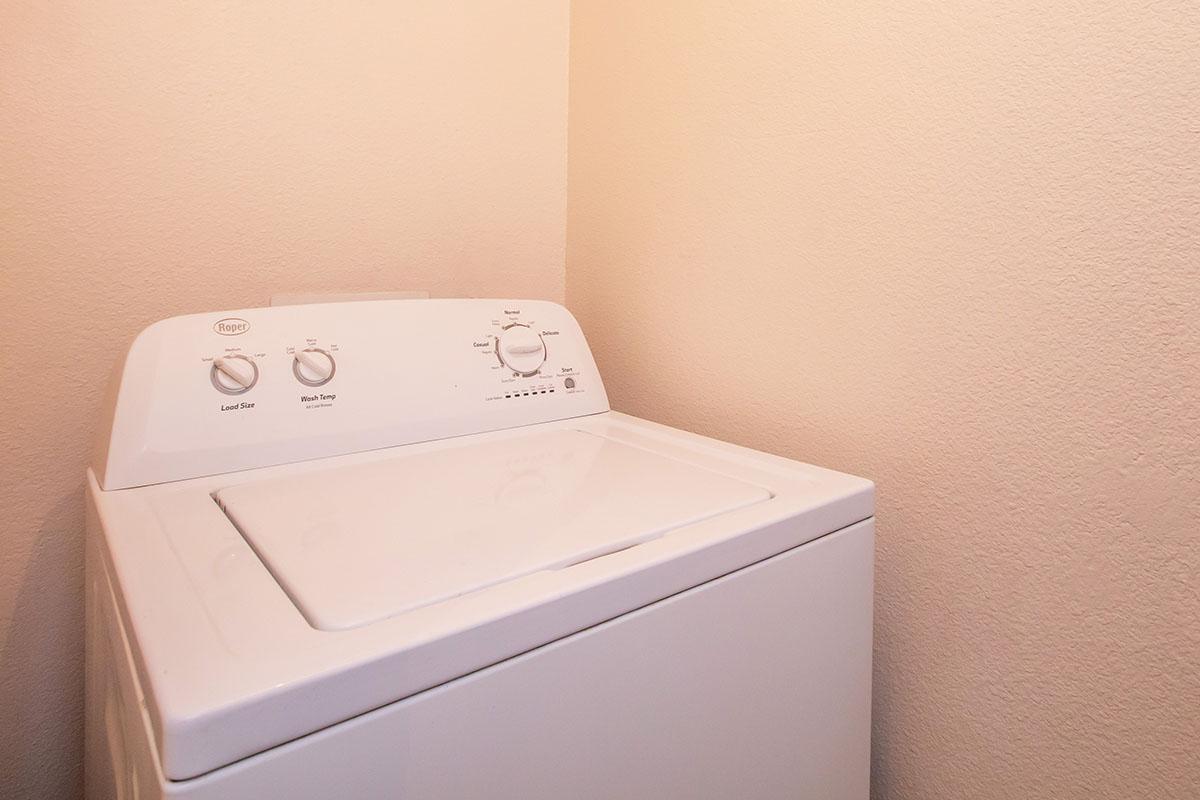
(404, 549)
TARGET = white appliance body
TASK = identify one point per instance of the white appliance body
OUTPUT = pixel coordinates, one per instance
(403, 549)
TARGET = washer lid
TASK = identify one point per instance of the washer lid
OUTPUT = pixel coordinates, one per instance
(362, 543)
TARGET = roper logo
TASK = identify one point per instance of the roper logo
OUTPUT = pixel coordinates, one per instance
(231, 326)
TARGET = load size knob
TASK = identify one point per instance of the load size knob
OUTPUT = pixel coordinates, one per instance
(313, 366)
(521, 349)
(234, 374)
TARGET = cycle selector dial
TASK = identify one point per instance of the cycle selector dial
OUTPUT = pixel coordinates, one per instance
(521, 349)
(233, 374)
(313, 366)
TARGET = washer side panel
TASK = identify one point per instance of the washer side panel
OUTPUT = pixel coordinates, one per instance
(119, 758)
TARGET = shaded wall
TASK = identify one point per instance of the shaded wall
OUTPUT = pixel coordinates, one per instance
(954, 248)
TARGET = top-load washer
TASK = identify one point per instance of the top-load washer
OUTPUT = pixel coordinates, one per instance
(404, 549)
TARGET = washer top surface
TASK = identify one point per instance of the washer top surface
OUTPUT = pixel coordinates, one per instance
(257, 636)
(358, 544)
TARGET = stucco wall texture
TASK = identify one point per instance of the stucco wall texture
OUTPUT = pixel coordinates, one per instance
(167, 158)
(953, 247)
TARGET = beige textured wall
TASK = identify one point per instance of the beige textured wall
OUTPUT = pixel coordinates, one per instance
(954, 247)
(162, 158)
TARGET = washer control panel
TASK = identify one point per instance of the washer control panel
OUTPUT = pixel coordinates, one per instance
(210, 393)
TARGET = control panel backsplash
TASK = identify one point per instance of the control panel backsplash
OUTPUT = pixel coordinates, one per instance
(210, 393)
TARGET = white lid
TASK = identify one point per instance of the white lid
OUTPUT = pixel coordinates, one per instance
(362, 543)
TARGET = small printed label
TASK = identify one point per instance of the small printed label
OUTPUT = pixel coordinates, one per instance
(317, 400)
(549, 333)
(242, 406)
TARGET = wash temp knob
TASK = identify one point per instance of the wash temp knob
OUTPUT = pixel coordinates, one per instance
(313, 366)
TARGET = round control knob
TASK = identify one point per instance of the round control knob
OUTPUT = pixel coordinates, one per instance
(313, 366)
(521, 349)
(234, 374)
